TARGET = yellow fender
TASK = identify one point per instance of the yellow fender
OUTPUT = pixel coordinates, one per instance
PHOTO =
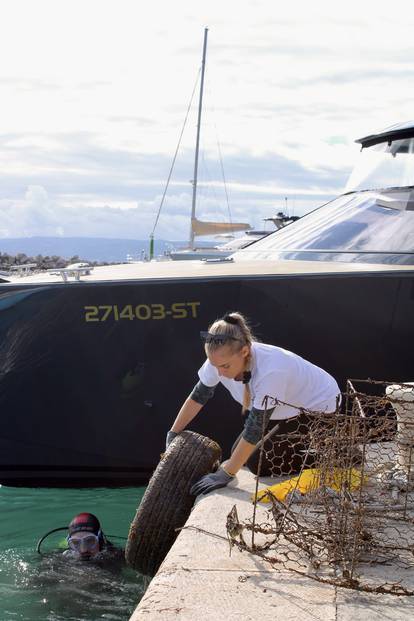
(310, 480)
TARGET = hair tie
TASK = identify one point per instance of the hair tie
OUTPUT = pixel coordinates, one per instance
(229, 319)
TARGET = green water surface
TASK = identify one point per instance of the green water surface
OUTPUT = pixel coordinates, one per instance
(49, 588)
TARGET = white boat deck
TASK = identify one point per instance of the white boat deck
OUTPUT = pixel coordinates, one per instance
(199, 269)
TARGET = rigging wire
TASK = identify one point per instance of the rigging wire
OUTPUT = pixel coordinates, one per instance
(208, 190)
(175, 154)
(221, 162)
(224, 177)
(212, 187)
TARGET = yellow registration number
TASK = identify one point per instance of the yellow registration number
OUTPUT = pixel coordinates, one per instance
(142, 312)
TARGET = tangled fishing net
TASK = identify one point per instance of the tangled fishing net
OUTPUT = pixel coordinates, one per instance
(347, 516)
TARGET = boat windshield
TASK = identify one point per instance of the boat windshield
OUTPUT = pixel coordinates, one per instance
(368, 227)
(384, 165)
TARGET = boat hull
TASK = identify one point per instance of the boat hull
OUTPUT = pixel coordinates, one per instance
(92, 374)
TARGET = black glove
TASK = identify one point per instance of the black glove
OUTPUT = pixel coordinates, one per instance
(210, 482)
(170, 437)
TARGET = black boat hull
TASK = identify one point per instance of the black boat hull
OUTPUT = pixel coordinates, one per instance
(93, 374)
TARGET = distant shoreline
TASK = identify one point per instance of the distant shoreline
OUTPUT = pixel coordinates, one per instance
(93, 249)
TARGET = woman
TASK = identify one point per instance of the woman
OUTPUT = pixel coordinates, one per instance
(264, 379)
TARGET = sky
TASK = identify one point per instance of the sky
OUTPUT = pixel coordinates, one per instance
(94, 94)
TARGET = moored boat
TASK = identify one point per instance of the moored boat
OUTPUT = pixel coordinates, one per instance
(92, 371)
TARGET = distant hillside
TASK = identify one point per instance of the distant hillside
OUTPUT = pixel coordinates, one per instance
(88, 248)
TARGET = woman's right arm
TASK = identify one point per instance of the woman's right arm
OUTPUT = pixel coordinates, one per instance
(189, 410)
(192, 405)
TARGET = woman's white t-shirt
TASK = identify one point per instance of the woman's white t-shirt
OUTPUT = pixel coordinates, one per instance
(281, 376)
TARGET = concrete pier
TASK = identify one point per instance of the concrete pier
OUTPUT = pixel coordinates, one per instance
(201, 580)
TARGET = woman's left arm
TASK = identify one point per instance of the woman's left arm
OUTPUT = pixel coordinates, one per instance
(245, 447)
(226, 472)
(239, 456)
(251, 436)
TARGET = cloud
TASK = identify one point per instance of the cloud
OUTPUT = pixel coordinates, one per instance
(39, 214)
(36, 197)
(76, 164)
(91, 217)
(141, 121)
(34, 212)
(29, 84)
(93, 84)
(90, 144)
(351, 75)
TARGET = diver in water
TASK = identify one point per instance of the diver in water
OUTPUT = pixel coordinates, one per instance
(85, 538)
(80, 553)
(86, 541)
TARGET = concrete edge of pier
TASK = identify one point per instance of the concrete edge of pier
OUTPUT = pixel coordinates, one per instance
(202, 579)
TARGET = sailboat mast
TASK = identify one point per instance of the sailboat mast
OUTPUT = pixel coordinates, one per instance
(200, 105)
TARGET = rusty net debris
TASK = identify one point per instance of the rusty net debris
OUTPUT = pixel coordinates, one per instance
(342, 509)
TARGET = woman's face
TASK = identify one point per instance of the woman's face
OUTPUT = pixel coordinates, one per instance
(229, 364)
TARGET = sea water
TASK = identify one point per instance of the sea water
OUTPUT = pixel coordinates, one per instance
(47, 587)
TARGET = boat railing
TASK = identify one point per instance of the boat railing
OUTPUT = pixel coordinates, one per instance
(22, 270)
(70, 272)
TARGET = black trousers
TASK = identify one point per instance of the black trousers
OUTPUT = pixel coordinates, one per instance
(286, 452)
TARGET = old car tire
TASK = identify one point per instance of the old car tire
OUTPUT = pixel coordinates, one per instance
(167, 502)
